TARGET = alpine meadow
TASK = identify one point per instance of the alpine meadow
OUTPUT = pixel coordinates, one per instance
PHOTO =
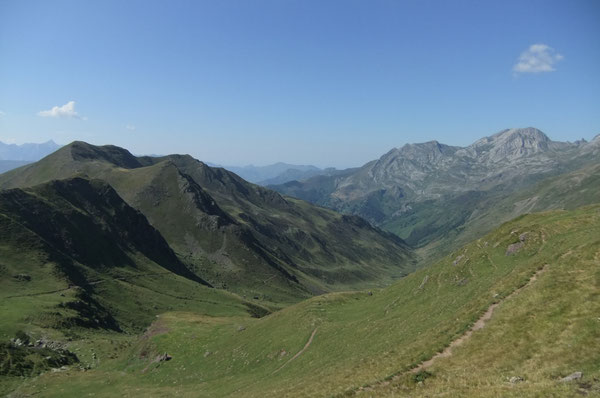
(299, 199)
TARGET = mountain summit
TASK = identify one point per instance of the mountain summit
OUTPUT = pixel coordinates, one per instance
(509, 145)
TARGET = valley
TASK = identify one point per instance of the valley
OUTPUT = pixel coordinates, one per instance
(162, 276)
(366, 344)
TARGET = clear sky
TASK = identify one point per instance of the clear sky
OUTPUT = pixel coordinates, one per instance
(330, 83)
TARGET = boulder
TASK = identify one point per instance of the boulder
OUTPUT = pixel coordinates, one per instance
(571, 377)
(164, 357)
(515, 379)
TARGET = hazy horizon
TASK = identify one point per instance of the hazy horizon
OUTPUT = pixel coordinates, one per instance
(222, 164)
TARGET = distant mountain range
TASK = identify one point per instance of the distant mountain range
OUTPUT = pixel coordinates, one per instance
(13, 156)
(277, 173)
(428, 193)
(27, 152)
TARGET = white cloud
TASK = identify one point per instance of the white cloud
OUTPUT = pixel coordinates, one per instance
(130, 127)
(2, 114)
(537, 58)
(67, 110)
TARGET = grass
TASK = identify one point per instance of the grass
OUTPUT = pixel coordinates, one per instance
(544, 333)
(547, 330)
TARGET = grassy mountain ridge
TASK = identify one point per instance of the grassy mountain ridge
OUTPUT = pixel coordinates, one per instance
(351, 340)
(234, 234)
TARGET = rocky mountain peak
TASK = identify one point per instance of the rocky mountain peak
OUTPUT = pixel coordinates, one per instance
(424, 151)
(511, 144)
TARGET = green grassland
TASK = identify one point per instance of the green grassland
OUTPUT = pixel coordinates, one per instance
(545, 331)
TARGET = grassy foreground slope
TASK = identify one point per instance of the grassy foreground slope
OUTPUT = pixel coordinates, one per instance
(346, 341)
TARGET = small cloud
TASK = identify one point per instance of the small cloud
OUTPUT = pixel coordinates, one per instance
(2, 114)
(67, 110)
(130, 127)
(537, 58)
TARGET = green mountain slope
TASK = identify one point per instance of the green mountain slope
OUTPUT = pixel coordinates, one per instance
(341, 344)
(80, 239)
(78, 264)
(232, 233)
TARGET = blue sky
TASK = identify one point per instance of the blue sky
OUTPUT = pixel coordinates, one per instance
(330, 83)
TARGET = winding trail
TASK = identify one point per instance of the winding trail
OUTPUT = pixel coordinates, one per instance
(91, 283)
(310, 339)
(478, 325)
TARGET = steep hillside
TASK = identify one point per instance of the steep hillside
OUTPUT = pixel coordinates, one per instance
(426, 192)
(78, 237)
(235, 234)
(80, 267)
(517, 308)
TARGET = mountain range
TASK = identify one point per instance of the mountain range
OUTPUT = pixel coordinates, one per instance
(427, 193)
(27, 152)
(277, 173)
(13, 156)
(234, 234)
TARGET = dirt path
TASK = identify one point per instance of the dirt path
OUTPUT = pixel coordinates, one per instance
(37, 294)
(310, 339)
(478, 325)
(91, 283)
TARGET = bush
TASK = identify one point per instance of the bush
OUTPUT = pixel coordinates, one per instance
(421, 376)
